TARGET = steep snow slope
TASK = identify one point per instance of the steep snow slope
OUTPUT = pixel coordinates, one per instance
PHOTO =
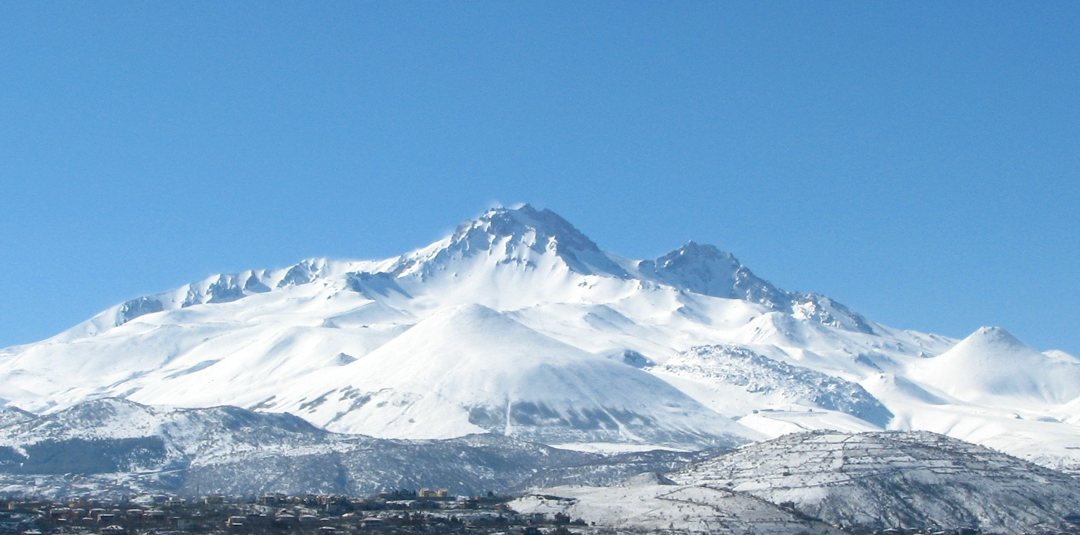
(274, 339)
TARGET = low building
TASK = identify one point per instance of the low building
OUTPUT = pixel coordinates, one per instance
(428, 493)
(372, 522)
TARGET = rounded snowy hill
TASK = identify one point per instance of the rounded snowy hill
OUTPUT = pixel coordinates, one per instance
(471, 368)
(519, 324)
(991, 363)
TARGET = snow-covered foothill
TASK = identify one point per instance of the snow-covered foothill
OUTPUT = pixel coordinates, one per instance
(663, 507)
(13, 415)
(112, 446)
(914, 480)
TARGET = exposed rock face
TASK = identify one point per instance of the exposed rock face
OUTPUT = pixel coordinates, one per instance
(706, 270)
(758, 374)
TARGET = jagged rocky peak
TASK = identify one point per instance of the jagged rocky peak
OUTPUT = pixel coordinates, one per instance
(826, 311)
(544, 226)
(303, 273)
(222, 288)
(704, 269)
(137, 307)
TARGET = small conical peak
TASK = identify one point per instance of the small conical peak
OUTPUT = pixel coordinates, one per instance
(991, 347)
(995, 336)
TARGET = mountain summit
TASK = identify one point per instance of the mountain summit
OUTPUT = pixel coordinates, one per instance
(514, 236)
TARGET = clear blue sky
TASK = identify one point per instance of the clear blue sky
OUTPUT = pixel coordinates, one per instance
(918, 161)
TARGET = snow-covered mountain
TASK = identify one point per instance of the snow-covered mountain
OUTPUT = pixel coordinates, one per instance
(518, 324)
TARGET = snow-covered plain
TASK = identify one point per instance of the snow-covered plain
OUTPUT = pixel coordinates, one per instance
(518, 324)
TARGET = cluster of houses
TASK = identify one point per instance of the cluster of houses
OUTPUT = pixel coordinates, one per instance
(105, 515)
(404, 511)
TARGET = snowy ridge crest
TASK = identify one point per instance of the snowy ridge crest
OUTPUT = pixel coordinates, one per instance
(706, 270)
(520, 237)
